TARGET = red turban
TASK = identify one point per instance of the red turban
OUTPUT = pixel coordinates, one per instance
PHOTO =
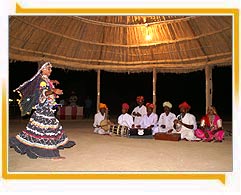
(140, 99)
(184, 105)
(149, 105)
(125, 106)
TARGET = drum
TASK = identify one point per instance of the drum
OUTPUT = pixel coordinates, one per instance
(167, 136)
(105, 124)
(140, 133)
(119, 130)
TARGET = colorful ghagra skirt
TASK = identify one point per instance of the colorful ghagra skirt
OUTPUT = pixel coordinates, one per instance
(42, 138)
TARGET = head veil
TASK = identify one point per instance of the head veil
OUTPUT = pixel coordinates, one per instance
(29, 92)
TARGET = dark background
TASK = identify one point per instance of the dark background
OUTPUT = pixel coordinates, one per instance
(117, 88)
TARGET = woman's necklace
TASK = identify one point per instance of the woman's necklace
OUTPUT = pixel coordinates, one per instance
(211, 119)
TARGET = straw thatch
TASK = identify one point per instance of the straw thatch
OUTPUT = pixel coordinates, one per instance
(118, 43)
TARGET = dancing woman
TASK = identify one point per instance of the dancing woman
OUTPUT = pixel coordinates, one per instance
(44, 135)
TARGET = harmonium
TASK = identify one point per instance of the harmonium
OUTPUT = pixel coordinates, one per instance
(168, 136)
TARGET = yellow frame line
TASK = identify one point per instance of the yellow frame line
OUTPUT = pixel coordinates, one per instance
(220, 177)
(4, 128)
(236, 56)
(20, 9)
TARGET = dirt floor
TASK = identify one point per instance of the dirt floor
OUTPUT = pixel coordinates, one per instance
(96, 153)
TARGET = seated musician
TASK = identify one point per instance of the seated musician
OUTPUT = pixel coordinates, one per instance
(149, 120)
(139, 111)
(100, 116)
(125, 119)
(185, 124)
(166, 119)
(210, 127)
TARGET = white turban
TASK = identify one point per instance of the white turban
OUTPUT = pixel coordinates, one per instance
(168, 104)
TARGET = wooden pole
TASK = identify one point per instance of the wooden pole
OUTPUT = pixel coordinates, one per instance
(209, 86)
(154, 88)
(98, 90)
(39, 65)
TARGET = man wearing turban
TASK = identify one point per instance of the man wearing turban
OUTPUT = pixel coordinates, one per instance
(149, 120)
(100, 116)
(125, 119)
(166, 119)
(139, 111)
(185, 124)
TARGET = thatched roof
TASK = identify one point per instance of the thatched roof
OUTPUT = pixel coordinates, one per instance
(120, 43)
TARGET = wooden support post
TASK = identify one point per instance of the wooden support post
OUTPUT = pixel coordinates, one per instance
(154, 88)
(209, 86)
(39, 65)
(98, 90)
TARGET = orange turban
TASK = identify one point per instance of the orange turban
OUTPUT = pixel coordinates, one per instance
(140, 99)
(101, 105)
(125, 106)
(149, 105)
(184, 105)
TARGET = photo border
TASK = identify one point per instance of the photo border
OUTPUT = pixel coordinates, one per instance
(120, 176)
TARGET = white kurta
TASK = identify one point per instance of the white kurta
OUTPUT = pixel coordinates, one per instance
(142, 111)
(147, 121)
(125, 120)
(166, 120)
(187, 133)
(97, 119)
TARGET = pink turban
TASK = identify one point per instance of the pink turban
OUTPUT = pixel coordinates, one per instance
(125, 106)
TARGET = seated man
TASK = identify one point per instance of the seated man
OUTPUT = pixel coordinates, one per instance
(185, 124)
(100, 116)
(139, 111)
(125, 119)
(210, 127)
(149, 120)
(165, 123)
